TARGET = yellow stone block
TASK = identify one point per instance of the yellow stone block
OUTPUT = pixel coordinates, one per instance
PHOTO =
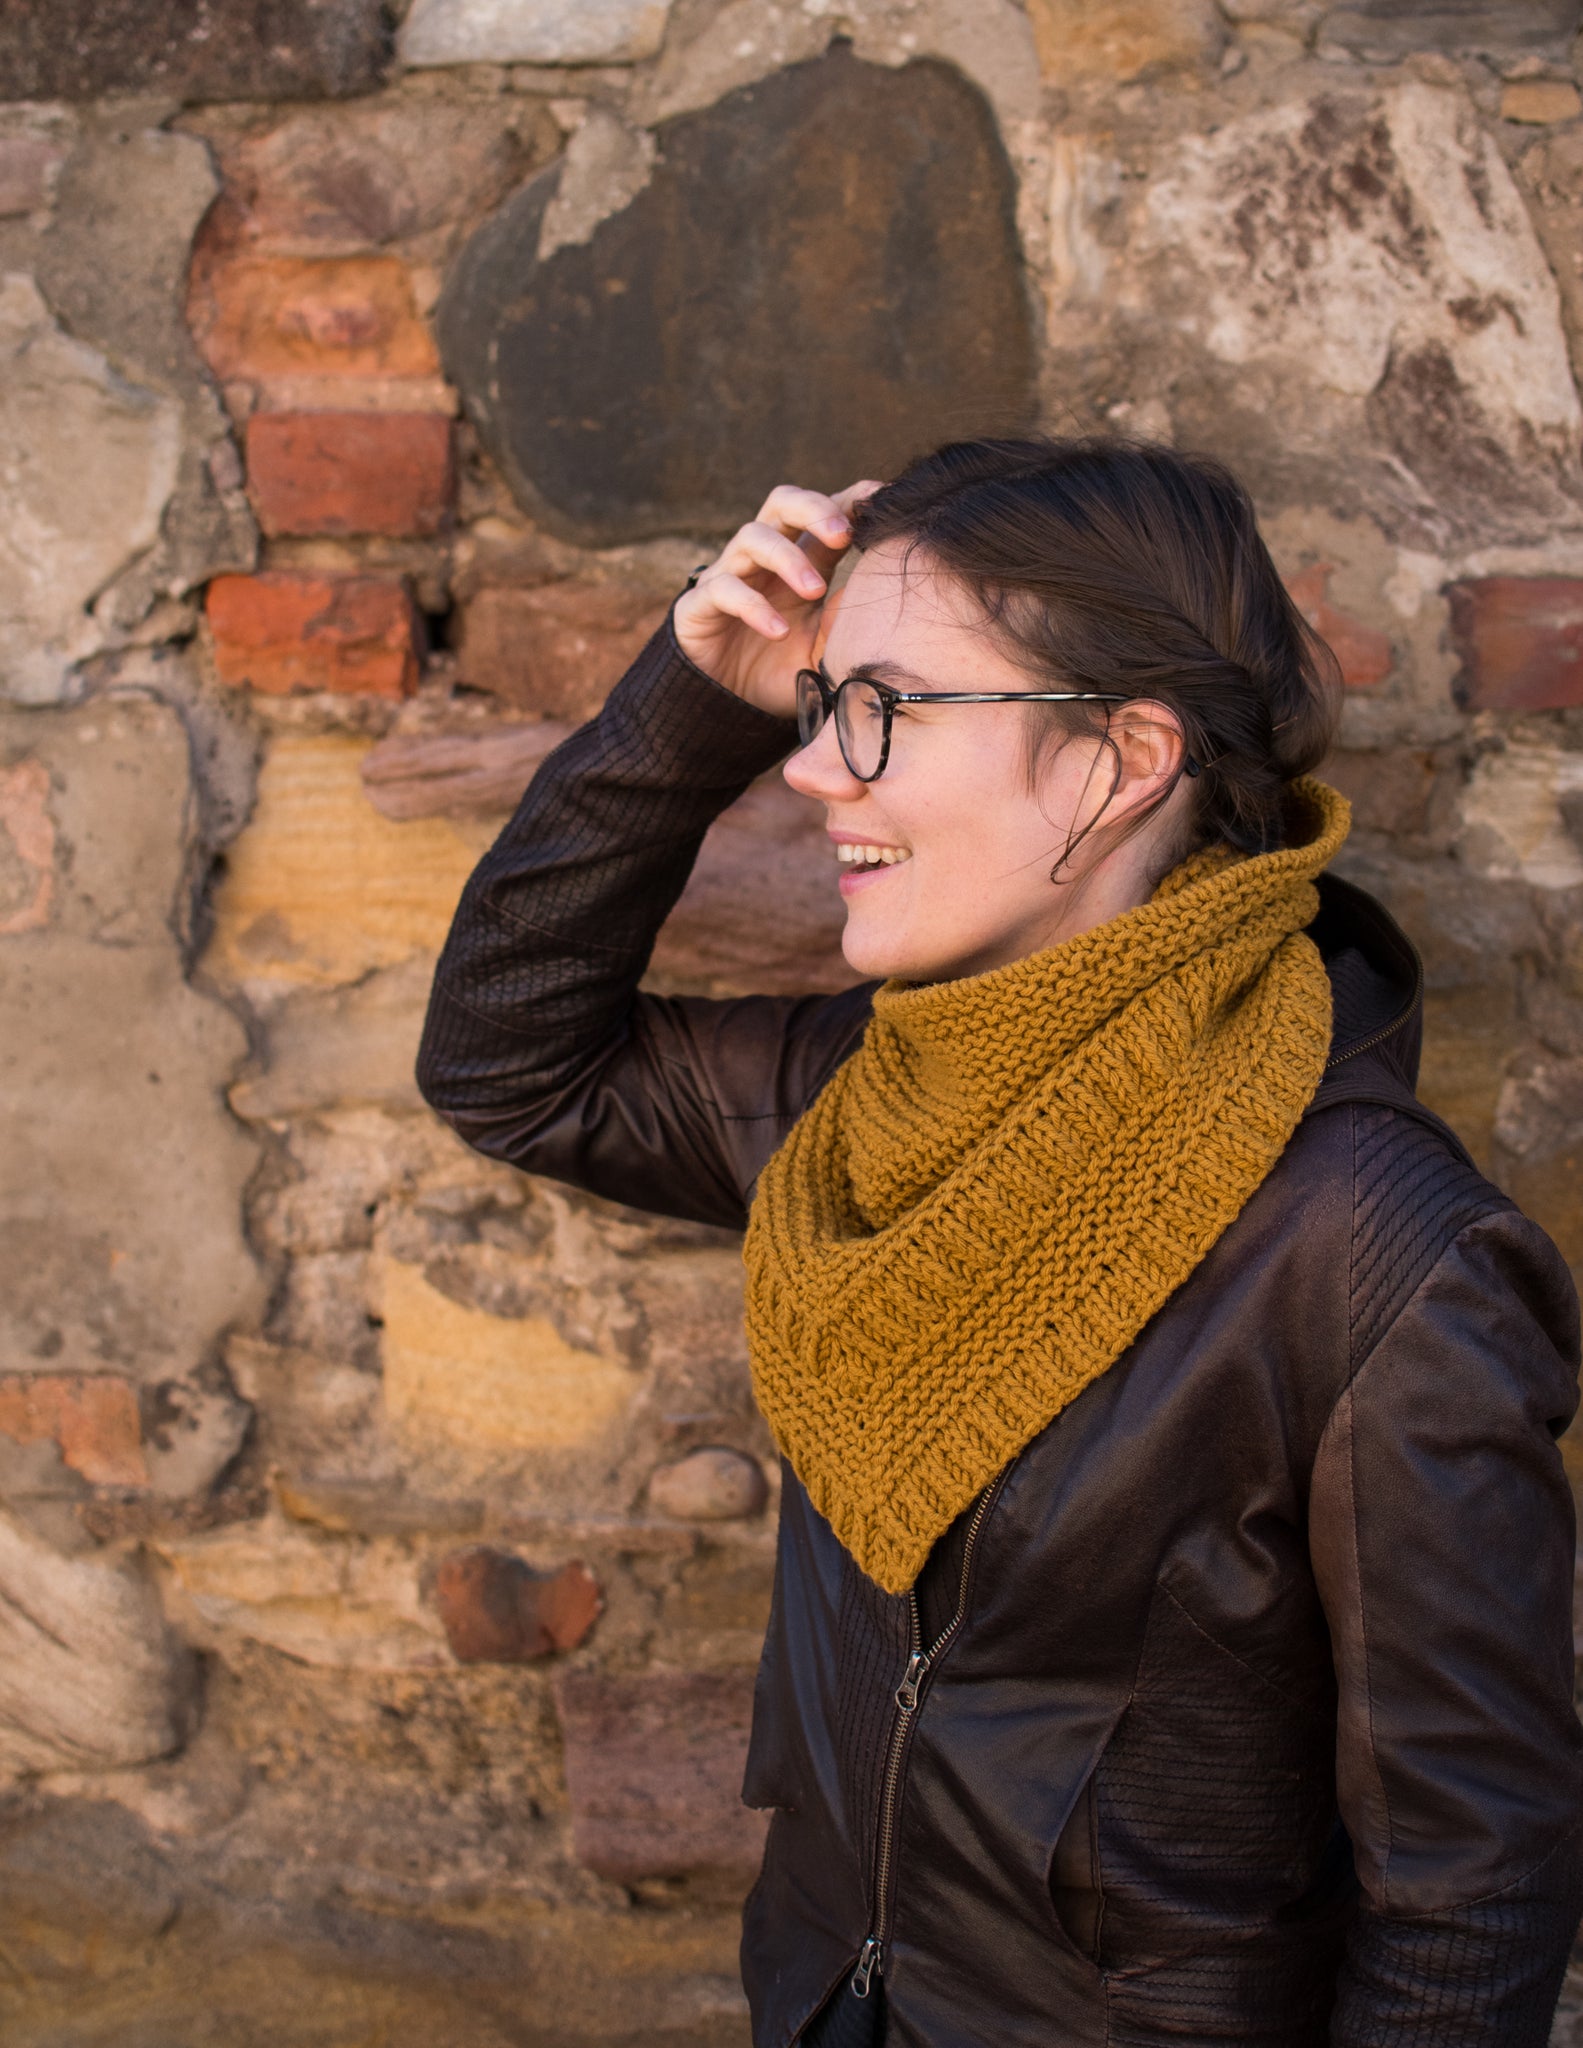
(489, 1383)
(346, 1605)
(319, 888)
(1121, 38)
(1540, 101)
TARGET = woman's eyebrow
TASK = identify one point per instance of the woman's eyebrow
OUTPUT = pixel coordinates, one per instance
(887, 672)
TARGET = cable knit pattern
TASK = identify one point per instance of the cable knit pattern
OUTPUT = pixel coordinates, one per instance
(991, 1198)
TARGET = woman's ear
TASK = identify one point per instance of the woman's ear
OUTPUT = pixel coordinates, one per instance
(1150, 749)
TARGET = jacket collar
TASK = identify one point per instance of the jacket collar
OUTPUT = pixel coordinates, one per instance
(1377, 987)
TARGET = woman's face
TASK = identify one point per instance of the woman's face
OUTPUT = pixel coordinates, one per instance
(969, 845)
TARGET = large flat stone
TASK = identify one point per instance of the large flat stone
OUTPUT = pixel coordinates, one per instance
(532, 31)
(320, 890)
(1452, 359)
(191, 49)
(821, 275)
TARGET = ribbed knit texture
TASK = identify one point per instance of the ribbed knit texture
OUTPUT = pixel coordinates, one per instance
(1014, 1171)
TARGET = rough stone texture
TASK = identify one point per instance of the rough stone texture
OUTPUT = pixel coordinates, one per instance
(497, 1610)
(1514, 826)
(321, 890)
(269, 317)
(30, 159)
(1123, 39)
(111, 258)
(433, 775)
(354, 1045)
(708, 1485)
(121, 1177)
(91, 1418)
(283, 633)
(1520, 640)
(350, 472)
(90, 1675)
(654, 1773)
(90, 462)
(532, 31)
(558, 649)
(1362, 652)
(1540, 101)
(602, 380)
(27, 851)
(1384, 30)
(1402, 208)
(191, 49)
(392, 171)
(486, 1385)
(1552, 175)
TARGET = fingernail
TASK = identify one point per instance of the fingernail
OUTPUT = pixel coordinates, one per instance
(812, 583)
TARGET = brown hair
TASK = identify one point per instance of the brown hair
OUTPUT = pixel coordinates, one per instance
(1128, 568)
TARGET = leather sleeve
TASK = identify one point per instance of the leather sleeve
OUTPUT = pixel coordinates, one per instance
(1441, 1528)
(539, 1048)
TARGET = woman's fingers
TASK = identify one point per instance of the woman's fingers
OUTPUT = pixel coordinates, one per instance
(794, 511)
(761, 546)
(723, 592)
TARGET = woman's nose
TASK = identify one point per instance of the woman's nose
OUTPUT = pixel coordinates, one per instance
(818, 769)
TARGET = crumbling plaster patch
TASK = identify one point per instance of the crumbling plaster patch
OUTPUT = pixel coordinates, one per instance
(88, 463)
(989, 41)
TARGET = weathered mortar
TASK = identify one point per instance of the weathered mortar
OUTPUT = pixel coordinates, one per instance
(388, 1536)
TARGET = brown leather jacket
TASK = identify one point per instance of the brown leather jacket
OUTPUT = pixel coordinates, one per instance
(1240, 1708)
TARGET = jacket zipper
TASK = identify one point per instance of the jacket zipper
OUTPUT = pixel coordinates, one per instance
(1379, 1037)
(871, 1957)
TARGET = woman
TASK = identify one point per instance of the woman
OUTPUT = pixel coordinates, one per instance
(1171, 1636)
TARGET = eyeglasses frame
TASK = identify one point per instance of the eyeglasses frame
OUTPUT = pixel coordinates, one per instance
(889, 698)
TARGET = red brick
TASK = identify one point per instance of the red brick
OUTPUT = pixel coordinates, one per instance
(349, 472)
(285, 634)
(497, 1610)
(555, 648)
(1520, 639)
(654, 1773)
(258, 317)
(1364, 653)
(92, 1417)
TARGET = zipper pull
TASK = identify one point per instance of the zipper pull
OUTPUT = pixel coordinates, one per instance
(907, 1691)
(870, 1959)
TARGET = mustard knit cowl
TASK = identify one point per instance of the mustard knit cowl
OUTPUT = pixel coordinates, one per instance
(990, 1199)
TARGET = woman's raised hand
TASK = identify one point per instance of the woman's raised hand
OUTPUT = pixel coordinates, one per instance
(752, 618)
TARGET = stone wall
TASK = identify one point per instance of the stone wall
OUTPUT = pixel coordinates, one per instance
(385, 1537)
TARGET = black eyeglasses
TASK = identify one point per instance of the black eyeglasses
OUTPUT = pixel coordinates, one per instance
(864, 709)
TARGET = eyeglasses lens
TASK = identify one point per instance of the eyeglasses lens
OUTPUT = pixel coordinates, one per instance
(810, 707)
(860, 727)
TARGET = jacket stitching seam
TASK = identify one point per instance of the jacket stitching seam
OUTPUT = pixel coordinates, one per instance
(1225, 1650)
(1438, 1913)
(1349, 1395)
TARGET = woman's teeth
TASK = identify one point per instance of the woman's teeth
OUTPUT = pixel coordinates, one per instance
(869, 856)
